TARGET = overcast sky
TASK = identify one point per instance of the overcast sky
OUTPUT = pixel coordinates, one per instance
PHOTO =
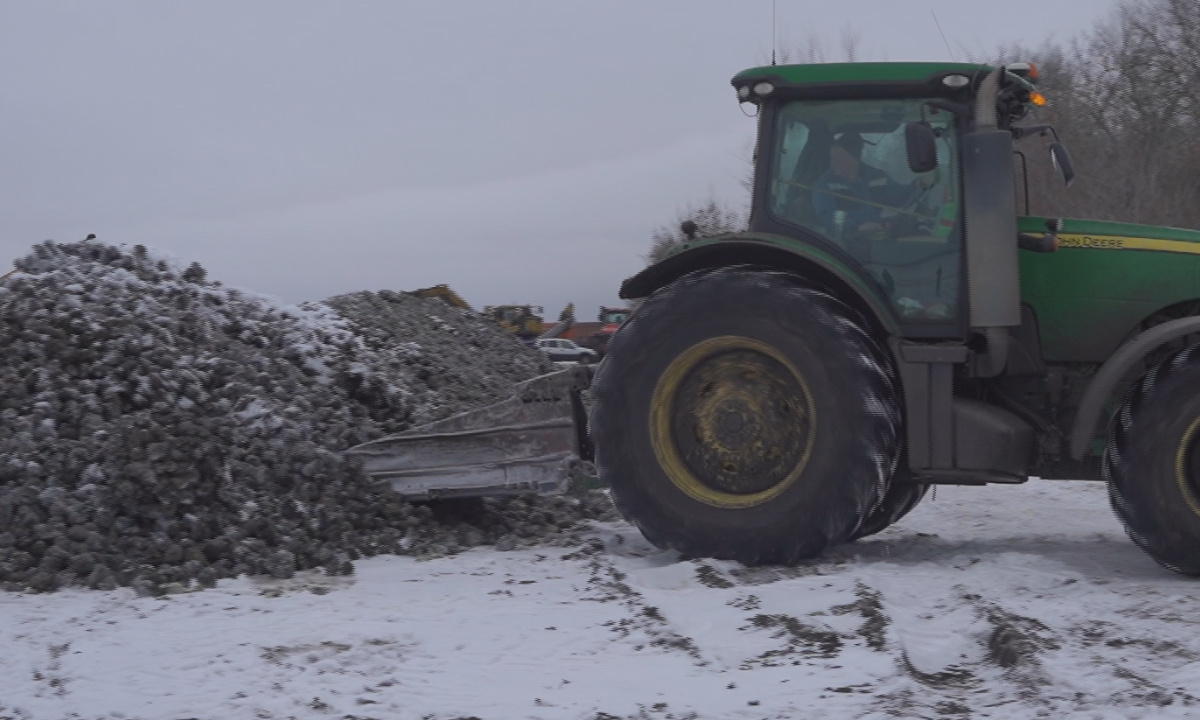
(520, 151)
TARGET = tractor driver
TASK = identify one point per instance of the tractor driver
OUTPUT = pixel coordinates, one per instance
(851, 196)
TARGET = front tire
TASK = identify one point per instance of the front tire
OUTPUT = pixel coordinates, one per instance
(742, 415)
(1152, 462)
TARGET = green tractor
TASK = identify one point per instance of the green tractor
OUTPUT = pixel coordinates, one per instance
(890, 321)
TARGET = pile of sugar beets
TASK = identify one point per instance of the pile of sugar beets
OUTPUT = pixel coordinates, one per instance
(161, 431)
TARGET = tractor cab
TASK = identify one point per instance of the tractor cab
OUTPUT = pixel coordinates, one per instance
(867, 162)
(841, 172)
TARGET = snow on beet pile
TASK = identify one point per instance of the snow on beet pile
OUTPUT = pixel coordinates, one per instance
(160, 430)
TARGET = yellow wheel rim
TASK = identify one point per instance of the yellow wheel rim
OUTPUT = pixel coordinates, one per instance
(1182, 465)
(732, 422)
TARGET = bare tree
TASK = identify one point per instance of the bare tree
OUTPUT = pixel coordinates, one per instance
(814, 48)
(1126, 98)
(711, 217)
(714, 217)
(1146, 92)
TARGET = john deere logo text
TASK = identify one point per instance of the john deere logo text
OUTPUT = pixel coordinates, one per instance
(1087, 241)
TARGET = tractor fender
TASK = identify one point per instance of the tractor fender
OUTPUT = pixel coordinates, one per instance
(1120, 364)
(768, 251)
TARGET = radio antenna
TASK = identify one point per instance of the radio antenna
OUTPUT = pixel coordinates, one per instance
(944, 40)
(774, 37)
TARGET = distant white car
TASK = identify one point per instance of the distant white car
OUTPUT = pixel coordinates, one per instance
(561, 350)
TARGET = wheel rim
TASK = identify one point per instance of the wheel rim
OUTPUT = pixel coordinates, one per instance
(732, 422)
(1187, 466)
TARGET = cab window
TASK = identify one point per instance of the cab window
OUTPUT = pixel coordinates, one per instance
(842, 172)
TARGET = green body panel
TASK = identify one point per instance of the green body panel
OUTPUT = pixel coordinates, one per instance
(1088, 299)
(824, 73)
(1103, 281)
(791, 246)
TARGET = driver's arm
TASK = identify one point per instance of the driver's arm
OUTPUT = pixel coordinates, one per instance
(901, 195)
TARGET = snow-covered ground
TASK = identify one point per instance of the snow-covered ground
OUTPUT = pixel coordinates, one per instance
(997, 602)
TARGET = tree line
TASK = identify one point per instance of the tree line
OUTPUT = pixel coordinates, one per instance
(1125, 98)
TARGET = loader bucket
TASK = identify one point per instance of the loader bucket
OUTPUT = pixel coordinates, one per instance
(529, 443)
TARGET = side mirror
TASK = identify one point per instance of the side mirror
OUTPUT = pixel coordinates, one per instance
(920, 146)
(1061, 158)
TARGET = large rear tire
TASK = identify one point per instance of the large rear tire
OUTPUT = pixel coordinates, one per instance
(1152, 462)
(742, 415)
(901, 498)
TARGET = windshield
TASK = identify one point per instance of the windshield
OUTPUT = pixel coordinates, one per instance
(843, 173)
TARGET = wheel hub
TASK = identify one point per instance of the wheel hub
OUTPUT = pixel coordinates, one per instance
(736, 422)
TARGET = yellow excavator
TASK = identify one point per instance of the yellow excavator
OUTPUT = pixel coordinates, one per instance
(444, 293)
(525, 321)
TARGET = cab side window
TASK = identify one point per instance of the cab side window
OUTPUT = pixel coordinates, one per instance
(842, 173)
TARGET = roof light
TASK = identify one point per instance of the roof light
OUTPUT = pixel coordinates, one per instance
(1025, 70)
(956, 81)
(743, 93)
(764, 89)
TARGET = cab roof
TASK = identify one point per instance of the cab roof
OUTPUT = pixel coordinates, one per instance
(865, 72)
